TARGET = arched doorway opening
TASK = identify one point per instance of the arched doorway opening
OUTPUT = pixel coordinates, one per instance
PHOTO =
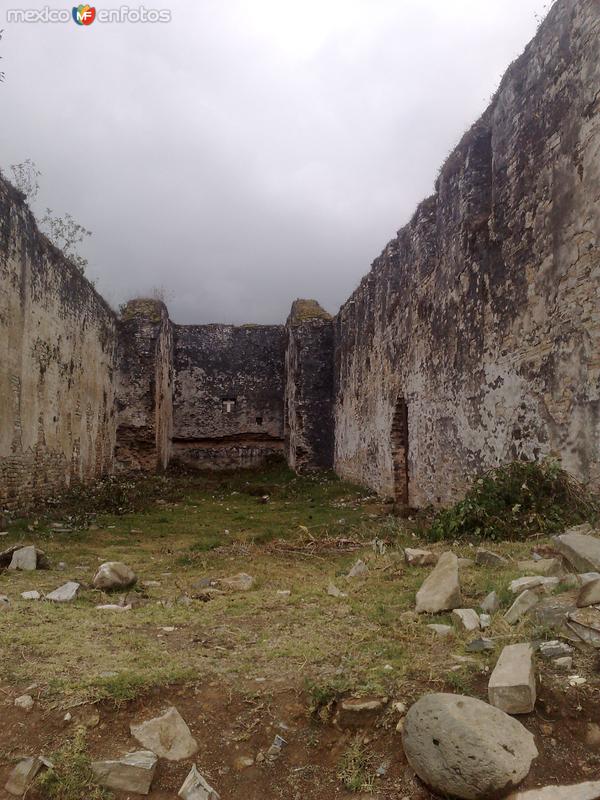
(399, 442)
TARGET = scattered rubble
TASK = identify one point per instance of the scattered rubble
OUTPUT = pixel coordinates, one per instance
(522, 605)
(466, 618)
(195, 787)
(24, 773)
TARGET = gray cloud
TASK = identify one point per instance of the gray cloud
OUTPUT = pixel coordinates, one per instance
(251, 151)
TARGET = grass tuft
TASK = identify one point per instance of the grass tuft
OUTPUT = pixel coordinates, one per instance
(71, 777)
(356, 768)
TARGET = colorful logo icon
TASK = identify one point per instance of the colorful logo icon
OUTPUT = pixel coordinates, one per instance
(84, 15)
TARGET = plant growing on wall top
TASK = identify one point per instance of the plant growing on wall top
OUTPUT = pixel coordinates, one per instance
(63, 231)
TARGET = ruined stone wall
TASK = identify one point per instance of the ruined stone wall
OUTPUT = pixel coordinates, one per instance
(221, 367)
(482, 314)
(144, 393)
(57, 360)
(308, 410)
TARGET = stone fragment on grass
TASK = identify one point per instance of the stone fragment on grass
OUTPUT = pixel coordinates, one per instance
(195, 787)
(359, 570)
(441, 589)
(131, 773)
(544, 566)
(554, 649)
(480, 645)
(465, 748)
(440, 630)
(490, 604)
(65, 593)
(114, 575)
(333, 591)
(489, 559)
(580, 549)
(168, 736)
(485, 621)
(522, 606)
(25, 701)
(512, 683)
(4, 602)
(466, 618)
(564, 662)
(415, 557)
(589, 594)
(533, 582)
(33, 595)
(113, 607)
(24, 773)
(242, 582)
(24, 559)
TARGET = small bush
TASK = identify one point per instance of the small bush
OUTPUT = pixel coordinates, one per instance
(516, 501)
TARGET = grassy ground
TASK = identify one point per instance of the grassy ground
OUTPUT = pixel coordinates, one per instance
(308, 535)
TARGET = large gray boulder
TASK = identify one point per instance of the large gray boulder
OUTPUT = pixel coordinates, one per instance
(441, 589)
(465, 748)
(131, 773)
(168, 736)
(114, 575)
(581, 550)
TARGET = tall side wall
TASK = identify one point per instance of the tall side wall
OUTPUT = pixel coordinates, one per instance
(475, 338)
(228, 394)
(145, 387)
(57, 362)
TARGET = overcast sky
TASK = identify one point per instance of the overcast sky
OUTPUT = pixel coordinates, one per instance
(249, 151)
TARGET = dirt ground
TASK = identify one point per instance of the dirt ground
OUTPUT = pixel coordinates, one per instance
(244, 667)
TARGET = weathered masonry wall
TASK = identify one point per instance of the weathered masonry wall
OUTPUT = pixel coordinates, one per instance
(228, 394)
(308, 411)
(57, 360)
(482, 315)
(145, 390)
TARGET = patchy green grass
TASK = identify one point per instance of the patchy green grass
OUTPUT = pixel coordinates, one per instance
(308, 535)
(356, 767)
(71, 777)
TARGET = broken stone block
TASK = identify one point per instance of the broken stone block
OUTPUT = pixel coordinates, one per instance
(490, 604)
(195, 787)
(533, 582)
(25, 772)
(25, 701)
(65, 593)
(131, 773)
(512, 683)
(580, 791)
(544, 566)
(114, 575)
(24, 559)
(589, 594)
(415, 557)
(359, 570)
(488, 559)
(33, 595)
(441, 589)
(4, 602)
(484, 621)
(585, 622)
(580, 550)
(522, 605)
(441, 630)
(359, 712)
(466, 618)
(242, 582)
(168, 736)
(564, 662)
(554, 649)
